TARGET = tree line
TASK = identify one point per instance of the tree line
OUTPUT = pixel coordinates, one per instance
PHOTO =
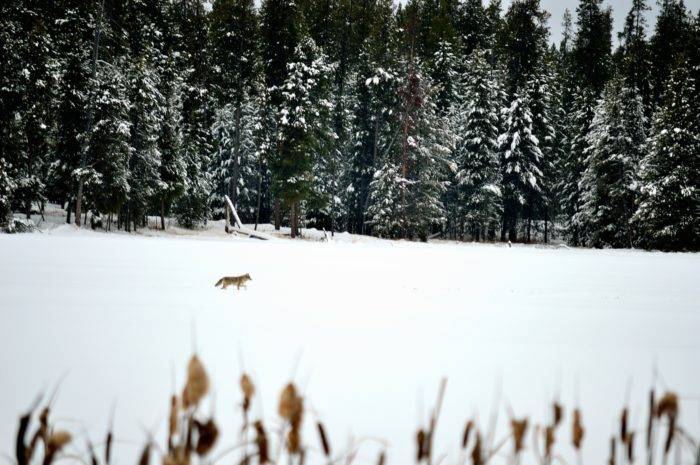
(448, 118)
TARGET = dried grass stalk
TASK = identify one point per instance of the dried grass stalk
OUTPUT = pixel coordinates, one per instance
(477, 455)
(578, 430)
(325, 445)
(467, 432)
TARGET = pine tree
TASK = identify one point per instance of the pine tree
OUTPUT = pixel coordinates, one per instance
(476, 152)
(616, 142)
(234, 141)
(472, 24)
(669, 44)
(520, 161)
(299, 125)
(670, 172)
(635, 59)
(375, 91)
(173, 169)
(144, 162)
(383, 213)
(6, 188)
(192, 208)
(74, 37)
(591, 54)
(582, 111)
(234, 50)
(109, 145)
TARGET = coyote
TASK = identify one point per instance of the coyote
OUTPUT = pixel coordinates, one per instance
(238, 281)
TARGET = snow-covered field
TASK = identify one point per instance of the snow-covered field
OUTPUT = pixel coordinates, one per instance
(367, 329)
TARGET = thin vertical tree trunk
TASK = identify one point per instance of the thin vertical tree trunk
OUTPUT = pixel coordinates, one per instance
(293, 220)
(278, 215)
(546, 221)
(162, 214)
(83, 154)
(259, 200)
(69, 209)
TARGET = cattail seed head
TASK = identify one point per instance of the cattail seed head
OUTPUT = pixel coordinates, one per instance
(293, 441)
(667, 405)
(578, 431)
(421, 445)
(518, 427)
(172, 420)
(558, 411)
(623, 424)
(208, 433)
(58, 440)
(261, 443)
(549, 440)
(291, 406)
(197, 384)
(247, 387)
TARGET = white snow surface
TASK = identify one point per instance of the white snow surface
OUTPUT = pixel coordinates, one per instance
(366, 327)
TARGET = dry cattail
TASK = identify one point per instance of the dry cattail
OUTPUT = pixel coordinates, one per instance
(623, 424)
(558, 413)
(518, 427)
(197, 384)
(248, 389)
(324, 439)
(55, 443)
(206, 437)
(293, 441)
(668, 405)
(421, 452)
(291, 405)
(172, 421)
(21, 450)
(578, 431)
(261, 443)
(477, 457)
(548, 440)
(629, 442)
(611, 460)
(650, 423)
(467, 432)
(58, 440)
(247, 386)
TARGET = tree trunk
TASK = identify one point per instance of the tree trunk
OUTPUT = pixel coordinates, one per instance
(546, 221)
(235, 173)
(278, 215)
(69, 209)
(259, 200)
(293, 220)
(529, 225)
(162, 214)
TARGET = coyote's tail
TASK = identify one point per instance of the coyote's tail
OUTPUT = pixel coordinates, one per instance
(219, 282)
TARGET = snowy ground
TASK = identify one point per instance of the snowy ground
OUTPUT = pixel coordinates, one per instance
(367, 328)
